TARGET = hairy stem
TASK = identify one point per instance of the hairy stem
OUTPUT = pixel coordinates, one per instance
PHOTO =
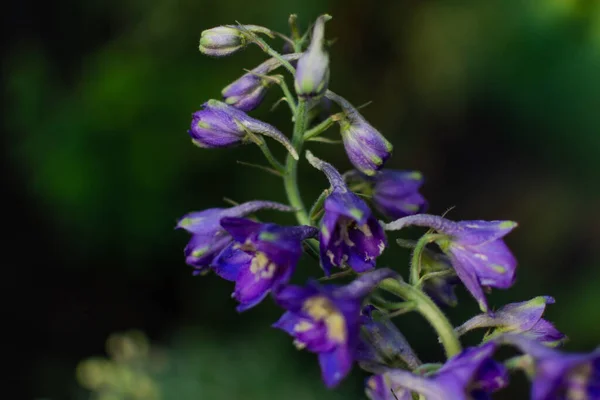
(427, 308)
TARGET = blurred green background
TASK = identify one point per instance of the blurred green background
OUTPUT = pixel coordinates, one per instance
(496, 102)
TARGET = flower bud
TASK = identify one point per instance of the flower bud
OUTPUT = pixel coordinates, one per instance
(248, 91)
(312, 73)
(221, 125)
(225, 40)
(367, 149)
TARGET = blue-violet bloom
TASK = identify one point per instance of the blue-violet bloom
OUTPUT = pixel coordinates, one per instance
(247, 92)
(349, 231)
(262, 257)
(221, 125)
(326, 320)
(394, 193)
(476, 249)
(382, 345)
(558, 375)
(312, 73)
(208, 237)
(225, 40)
(472, 374)
(524, 318)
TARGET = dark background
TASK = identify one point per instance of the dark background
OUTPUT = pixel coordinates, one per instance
(495, 102)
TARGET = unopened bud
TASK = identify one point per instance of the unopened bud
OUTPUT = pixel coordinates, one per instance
(312, 73)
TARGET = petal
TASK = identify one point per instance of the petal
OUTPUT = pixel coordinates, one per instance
(493, 262)
(288, 321)
(479, 232)
(251, 288)
(468, 276)
(240, 228)
(292, 297)
(230, 261)
(364, 284)
(201, 222)
(347, 204)
(335, 365)
(201, 249)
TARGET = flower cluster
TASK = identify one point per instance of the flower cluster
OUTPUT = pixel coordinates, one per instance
(352, 324)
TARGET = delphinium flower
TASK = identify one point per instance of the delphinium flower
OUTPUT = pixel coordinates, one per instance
(476, 249)
(247, 92)
(382, 345)
(394, 193)
(325, 319)
(524, 318)
(349, 232)
(312, 72)
(366, 148)
(221, 125)
(472, 374)
(225, 40)
(208, 237)
(262, 257)
(558, 375)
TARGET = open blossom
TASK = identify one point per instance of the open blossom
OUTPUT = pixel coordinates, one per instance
(470, 375)
(221, 125)
(476, 249)
(312, 72)
(262, 257)
(326, 320)
(208, 237)
(394, 193)
(524, 318)
(559, 375)
(382, 345)
(349, 231)
(365, 146)
(247, 92)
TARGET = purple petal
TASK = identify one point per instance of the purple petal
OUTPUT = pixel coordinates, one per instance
(251, 288)
(335, 365)
(348, 204)
(240, 228)
(292, 297)
(230, 261)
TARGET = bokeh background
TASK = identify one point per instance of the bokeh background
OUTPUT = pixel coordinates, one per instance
(496, 102)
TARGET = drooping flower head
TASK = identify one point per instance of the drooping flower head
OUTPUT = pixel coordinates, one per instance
(559, 375)
(225, 40)
(262, 257)
(395, 193)
(349, 232)
(382, 345)
(366, 148)
(326, 320)
(470, 375)
(247, 92)
(476, 249)
(524, 318)
(208, 237)
(312, 72)
(221, 125)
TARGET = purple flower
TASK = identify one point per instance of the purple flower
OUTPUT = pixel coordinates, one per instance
(248, 91)
(263, 257)
(225, 40)
(221, 125)
(208, 237)
(472, 374)
(382, 345)
(559, 375)
(312, 72)
(524, 318)
(326, 320)
(395, 193)
(367, 149)
(349, 232)
(476, 249)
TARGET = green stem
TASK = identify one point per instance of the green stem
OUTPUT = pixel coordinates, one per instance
(316, 208)
(415, 264)
(290, 179)
(427, 308)
(322, 127)
(270, 157)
